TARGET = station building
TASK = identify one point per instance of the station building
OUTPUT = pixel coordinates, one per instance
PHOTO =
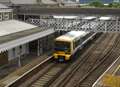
(103, 1)
(6, 13)
(7, 2)
(18, 38)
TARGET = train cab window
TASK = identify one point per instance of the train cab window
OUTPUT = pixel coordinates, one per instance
(62, 46)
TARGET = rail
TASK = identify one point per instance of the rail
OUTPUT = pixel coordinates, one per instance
(98, 83)
(28, 73)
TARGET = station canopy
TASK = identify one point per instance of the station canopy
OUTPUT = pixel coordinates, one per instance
(4, 8)
(14, 33)
(65, 17)
(13, 26)
(89, 18)
(105, 18)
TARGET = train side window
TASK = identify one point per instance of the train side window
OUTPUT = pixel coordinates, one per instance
(74, 45)
(77, 43)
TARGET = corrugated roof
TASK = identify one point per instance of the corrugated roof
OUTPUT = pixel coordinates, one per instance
(48, 2)
(89, 18)
(4, 8)
(66, 17)
(13, 26)
(105, 18)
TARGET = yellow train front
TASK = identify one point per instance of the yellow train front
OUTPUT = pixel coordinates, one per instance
(62, 50)
(66, 45)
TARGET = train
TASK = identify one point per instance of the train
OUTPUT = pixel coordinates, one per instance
(66, 45)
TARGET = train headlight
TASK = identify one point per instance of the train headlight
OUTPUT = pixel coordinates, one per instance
(55, 56)
(67, 57)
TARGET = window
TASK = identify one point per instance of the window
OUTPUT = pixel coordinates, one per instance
(78, 42)
(62, 46)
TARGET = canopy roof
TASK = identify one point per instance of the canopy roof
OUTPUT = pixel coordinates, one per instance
(105, 18)
(4, 8)
(15, 33)
(13, 26)
(65, 17)
(89, 18)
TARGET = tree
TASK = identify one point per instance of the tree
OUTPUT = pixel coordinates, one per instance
(114, 5)
(96, 3)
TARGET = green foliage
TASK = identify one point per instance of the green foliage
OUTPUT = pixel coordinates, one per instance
(96, 3)
(114, 5)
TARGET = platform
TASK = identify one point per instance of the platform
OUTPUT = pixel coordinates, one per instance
(20, 71)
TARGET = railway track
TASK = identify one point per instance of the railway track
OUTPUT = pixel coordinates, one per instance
(41, 75)
(72, 74)
(50, 75)
(91, 77)
(89, 63)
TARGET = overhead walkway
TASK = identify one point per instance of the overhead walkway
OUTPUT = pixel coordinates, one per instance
(37, 10)
(85, 23)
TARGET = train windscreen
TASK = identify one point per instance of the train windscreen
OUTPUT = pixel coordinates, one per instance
(62, 46)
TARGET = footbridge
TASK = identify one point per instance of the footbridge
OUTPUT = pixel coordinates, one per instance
(85, 23)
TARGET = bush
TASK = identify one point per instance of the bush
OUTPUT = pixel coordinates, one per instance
(96, 3)
(114, 5)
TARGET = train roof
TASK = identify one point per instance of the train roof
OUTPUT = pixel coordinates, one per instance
(72, 35)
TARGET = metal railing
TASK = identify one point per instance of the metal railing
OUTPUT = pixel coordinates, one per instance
(78, 24)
